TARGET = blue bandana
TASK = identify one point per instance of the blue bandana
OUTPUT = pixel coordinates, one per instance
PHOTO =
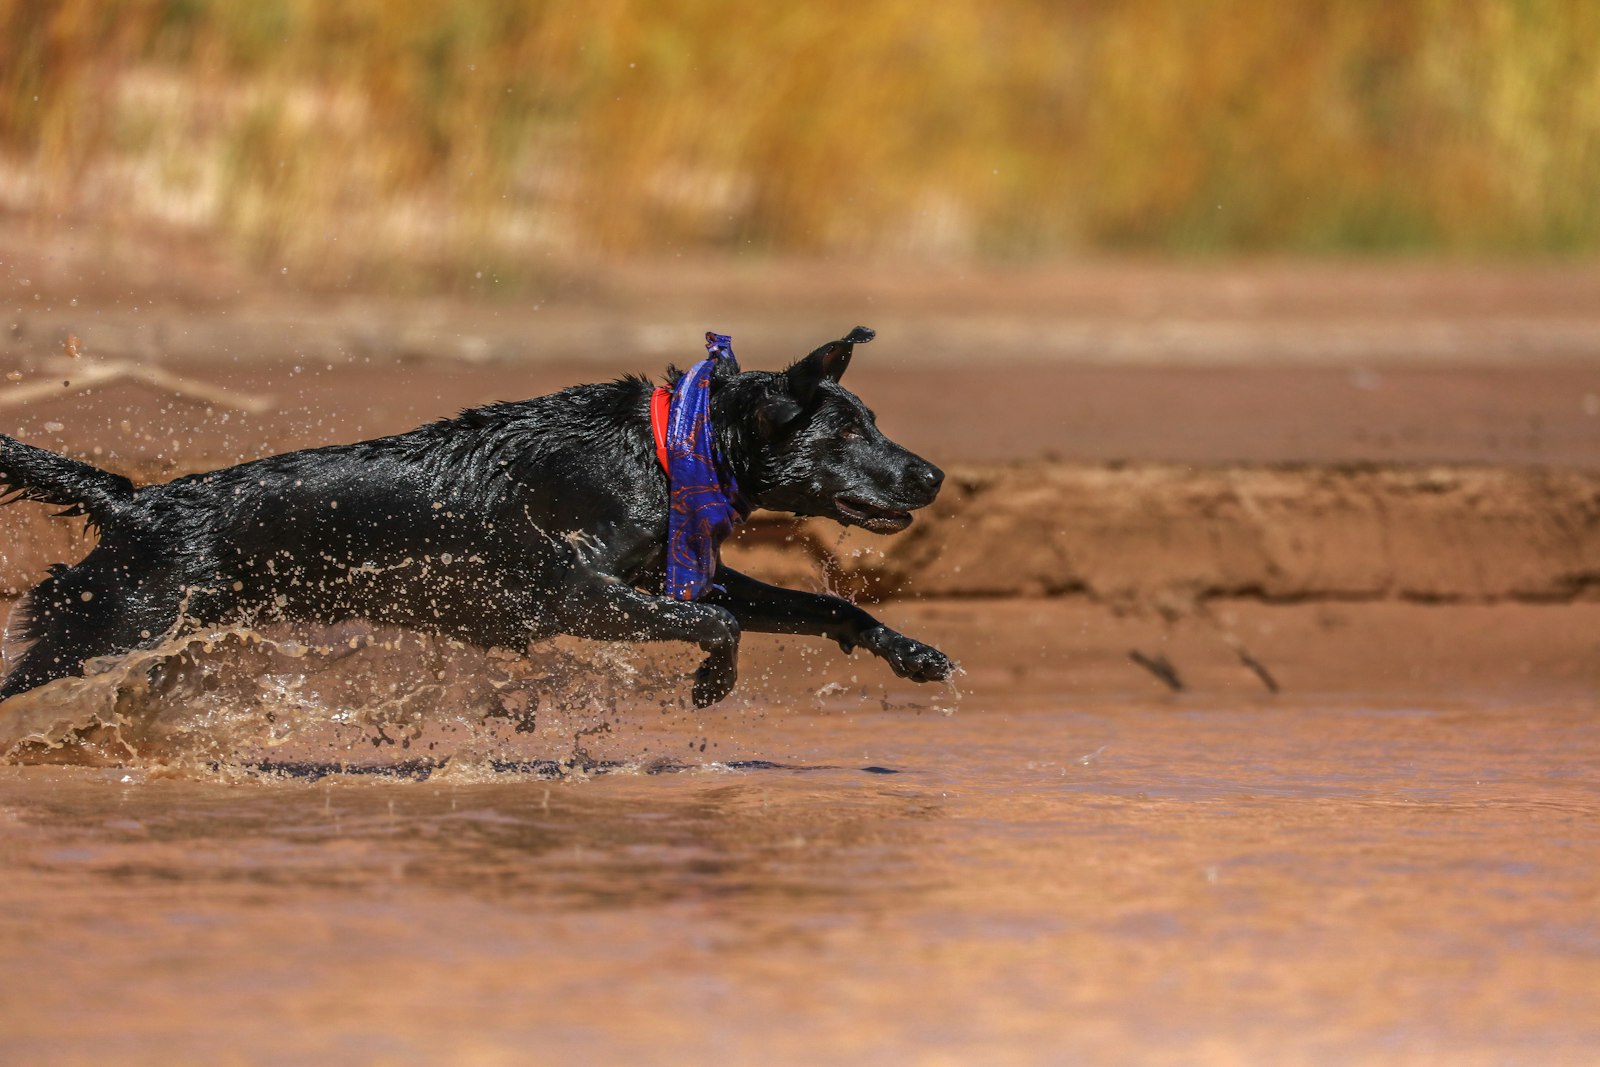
(704, 505)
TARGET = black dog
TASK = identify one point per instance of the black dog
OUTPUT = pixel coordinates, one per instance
(511, 522)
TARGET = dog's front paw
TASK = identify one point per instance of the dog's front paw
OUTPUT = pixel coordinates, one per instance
(908, 657)
(714, 679)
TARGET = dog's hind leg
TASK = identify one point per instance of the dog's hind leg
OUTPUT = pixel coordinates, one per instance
(60, 631)
(46, 659)
(772, 609)
(607, 610)
(97, 608)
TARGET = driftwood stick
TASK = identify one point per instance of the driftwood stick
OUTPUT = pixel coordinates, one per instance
(78, 378)
(1160, 666)
(1237, 647)
(1259, 668)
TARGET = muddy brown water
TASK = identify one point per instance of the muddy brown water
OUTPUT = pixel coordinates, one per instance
(833, 867)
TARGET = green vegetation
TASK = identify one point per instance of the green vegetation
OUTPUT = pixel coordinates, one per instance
(352, 135)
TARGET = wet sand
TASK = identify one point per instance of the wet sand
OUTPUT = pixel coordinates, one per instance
(1119, 362)
(1350, 513)
(1027, 410)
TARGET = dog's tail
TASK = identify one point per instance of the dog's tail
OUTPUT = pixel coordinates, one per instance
(29, 473)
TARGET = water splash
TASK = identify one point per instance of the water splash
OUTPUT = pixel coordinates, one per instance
(356, 697)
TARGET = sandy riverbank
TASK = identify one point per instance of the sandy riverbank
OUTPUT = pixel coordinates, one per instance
(1137, 442)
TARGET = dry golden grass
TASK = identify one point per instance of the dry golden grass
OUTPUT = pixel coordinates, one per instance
(477, 135)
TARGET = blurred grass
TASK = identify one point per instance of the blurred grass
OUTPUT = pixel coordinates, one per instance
(370, 137)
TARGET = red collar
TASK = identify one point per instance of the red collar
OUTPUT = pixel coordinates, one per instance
(660, 405)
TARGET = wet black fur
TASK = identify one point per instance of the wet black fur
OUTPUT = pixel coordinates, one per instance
(510, 522)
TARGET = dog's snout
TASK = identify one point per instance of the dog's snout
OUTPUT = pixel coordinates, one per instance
(928, 479)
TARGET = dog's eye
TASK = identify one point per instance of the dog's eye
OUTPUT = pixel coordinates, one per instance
(851, 434)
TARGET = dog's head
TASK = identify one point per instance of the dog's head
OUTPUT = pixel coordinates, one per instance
(801, 442)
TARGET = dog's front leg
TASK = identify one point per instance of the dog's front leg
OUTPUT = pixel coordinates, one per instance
(772, 609)
(607, 610)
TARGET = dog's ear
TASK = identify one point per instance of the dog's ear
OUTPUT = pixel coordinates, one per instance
(828, 362)
(775, 414)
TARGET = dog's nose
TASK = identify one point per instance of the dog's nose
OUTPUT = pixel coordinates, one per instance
(930, 478)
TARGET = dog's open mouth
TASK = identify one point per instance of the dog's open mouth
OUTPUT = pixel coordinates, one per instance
(871, 516)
